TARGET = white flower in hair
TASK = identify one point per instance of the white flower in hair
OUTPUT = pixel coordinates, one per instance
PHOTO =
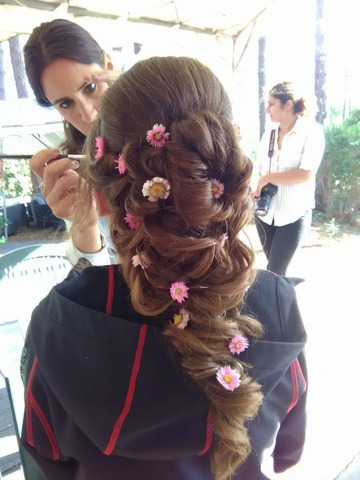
(139, 262)
(181, 319)
(156, 188)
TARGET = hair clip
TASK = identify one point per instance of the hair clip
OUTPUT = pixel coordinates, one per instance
(157, 136)
(179, 291)
(156, 188)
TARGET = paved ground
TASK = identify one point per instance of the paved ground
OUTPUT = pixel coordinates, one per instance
(329, 300)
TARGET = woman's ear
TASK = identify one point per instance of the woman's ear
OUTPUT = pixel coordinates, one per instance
(108, 62)
(289, 104)
(102, 205)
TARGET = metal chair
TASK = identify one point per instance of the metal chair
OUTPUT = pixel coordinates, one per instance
(26, 276)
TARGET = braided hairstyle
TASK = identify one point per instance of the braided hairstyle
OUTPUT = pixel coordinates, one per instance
(189, 235)
(285, 91)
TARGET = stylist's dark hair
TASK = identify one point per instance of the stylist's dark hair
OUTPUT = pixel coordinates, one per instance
(285, 91)
(178, 238)
(53, 40)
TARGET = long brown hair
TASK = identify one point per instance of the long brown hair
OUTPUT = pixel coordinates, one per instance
(178, 238)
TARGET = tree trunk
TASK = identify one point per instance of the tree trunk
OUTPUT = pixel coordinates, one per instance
(321, 100)
(2, 74)
(18, 67)
(261, 81)
(320, 64)
(36, 182)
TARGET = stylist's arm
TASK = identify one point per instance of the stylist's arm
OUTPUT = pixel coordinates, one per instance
(60, 180)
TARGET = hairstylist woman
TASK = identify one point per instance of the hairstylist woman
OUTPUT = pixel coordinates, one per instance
(297, 152)
(63, 62)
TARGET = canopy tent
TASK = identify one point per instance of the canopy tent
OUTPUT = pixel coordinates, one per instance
(25, 127)
(213, 17)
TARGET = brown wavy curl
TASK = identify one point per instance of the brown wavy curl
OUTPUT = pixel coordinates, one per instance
(179, 236)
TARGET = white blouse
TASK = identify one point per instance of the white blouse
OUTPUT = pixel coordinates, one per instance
(302, 147)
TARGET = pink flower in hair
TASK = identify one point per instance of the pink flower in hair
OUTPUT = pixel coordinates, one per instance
(238, 344)
(181, 319)
(217, 188)
(228, 377)
(121, 165)
(132, 221)
(100, 147)
(179, 291)
(157, 136)
(222, 239)
(137, 261)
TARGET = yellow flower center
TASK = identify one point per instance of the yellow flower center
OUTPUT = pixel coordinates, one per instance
(227, 378)
(238, 345)
(157, 190)
(158, 136)
(178, 291)
(177, 319)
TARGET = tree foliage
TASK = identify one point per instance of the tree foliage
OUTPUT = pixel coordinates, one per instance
(338, 179)
(17, 178)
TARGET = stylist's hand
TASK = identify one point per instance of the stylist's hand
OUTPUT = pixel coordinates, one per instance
(60, 189)
(108, 76)
(60, 181)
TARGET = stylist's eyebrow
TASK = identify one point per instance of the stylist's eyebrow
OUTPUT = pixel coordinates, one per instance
(60, 100)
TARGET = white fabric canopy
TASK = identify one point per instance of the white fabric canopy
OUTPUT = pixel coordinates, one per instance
(214, 17)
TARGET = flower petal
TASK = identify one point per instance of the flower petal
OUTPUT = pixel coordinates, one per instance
(157, 136)
(181, 319)
(156, 188)
(222, 239)
(179, 291)
(100, 147)
(217, 188)
(121, 164)
(238, 344)
(132, 221)
(228, 377)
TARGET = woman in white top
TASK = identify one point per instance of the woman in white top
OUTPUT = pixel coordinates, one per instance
(290, 164)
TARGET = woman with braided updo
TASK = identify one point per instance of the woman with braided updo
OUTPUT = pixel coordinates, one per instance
(182, 362)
